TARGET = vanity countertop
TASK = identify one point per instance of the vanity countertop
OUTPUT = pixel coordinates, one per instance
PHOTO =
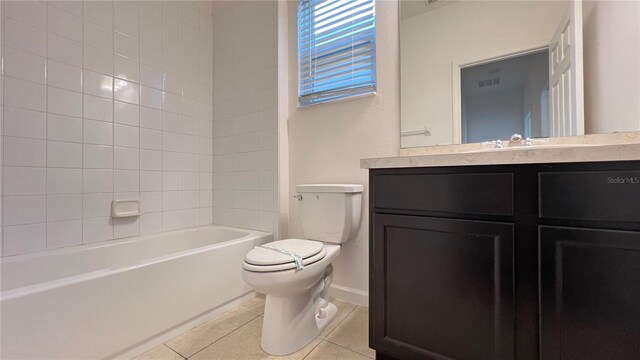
(589, 148)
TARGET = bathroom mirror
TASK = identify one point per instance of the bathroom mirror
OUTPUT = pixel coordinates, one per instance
(474, 71)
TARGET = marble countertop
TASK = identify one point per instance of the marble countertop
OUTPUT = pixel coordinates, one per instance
(606, 147)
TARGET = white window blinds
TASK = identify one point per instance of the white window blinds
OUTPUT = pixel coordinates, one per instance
(336, 49)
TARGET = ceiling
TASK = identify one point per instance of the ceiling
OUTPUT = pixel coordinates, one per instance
(411, 8)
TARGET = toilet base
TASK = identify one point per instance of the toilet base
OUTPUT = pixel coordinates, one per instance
(291, 323)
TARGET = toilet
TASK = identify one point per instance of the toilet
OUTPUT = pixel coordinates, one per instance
(295, 274)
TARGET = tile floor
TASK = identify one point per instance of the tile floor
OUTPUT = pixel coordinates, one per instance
(236, 335)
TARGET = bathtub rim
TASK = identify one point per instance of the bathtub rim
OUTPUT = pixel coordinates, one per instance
(10, 294)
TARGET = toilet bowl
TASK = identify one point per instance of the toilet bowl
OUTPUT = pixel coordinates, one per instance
(295, 274)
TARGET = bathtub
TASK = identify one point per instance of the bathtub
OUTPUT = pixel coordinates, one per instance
(119, 298)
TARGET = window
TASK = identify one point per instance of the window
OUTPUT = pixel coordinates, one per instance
(336, 50)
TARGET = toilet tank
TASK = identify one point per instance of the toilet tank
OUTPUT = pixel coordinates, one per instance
(330, 212)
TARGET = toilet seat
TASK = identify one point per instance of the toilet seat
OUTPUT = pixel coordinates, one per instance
(261, 259)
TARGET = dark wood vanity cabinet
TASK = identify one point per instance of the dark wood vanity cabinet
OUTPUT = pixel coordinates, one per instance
(506, 262)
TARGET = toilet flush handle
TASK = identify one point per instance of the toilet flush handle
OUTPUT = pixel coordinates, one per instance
(299, 197)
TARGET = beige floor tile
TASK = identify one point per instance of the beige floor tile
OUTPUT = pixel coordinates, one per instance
(244, 344)
(255, 305)
(159, 352)
(257, 322)
(200, 337)
(353, 332)
(329, 351)
(344, 309)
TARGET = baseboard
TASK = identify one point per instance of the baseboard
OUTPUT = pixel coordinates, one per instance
(348, 294)
(167, 335)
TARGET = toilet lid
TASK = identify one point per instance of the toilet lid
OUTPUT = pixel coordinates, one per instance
(265, 257)
(283, 267)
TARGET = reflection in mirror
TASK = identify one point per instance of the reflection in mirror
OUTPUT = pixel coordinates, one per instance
(448, 47)
(505, 97)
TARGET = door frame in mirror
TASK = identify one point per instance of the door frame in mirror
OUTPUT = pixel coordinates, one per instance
(456, 85)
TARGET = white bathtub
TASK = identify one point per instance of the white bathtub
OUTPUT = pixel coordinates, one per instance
(112, 300)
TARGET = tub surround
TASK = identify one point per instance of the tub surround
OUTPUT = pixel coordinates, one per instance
(601, 147)
(92, 293)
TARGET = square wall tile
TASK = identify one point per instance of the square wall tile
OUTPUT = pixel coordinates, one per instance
(126, 158)
(64, 128)
(98, 108)
(30, 12)
(20, 210)
(97, 84)
(96, 205)
(99, 12)
(64, 76)
(64, 154)
(23, 181)
(25, 123)
(127, 136)
(24, 94)
(23, 65)
(23, 36)
(126, 91)
(64, 181)
(64, 102)
(24, 152)
(98, 36)
(98, 60)
(97, 157)
(64, 24)
(64, 207)
(23, 239)
(128, 114)
(64, 50)
(151, 223)
(64, 233)
(97, 229)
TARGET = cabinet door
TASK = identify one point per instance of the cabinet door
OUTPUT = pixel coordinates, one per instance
(441, 288)
(590, 294)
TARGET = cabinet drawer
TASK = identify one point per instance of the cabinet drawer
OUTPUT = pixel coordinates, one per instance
(598, 196)
(482, 194)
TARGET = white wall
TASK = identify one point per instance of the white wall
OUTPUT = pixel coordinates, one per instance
(462, 32)
(327, 141)
(494, 115)
(611, 41)
(104, 100)
(245, 114)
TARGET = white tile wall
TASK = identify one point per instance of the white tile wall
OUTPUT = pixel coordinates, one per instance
(103, 100)
(245, 114)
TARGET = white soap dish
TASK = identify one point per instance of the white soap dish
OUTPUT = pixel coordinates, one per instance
(125, 208)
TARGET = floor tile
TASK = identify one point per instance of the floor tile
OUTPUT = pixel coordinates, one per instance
(244, 344)
(159, 352)
(255, 305)
(344, 309)
(352, 333)
(257, 322)
(200, 337)
(329, 351)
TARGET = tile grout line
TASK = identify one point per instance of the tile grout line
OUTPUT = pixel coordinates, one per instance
(206, 346)
(324, 339)
(165, 345)
(341, 321)
(344, 347)
(310, 351)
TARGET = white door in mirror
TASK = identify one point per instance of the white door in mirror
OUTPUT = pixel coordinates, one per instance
(565, 74)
